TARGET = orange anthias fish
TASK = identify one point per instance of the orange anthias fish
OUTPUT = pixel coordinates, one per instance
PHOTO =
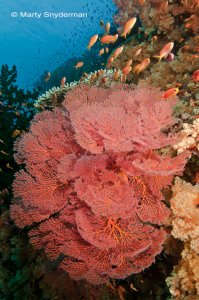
(195, 76)
(110, 60)
(126, 70)
(107, 28)
(109, 39)
(170, 93)
(101, 52)
(195, 56)
(118, 51)
(128, 26)
(116, 75)
(165, 51)
(141, 2)
(79, 65)
(142, 66)
(129, 63)
(92, 41)
(63, 81)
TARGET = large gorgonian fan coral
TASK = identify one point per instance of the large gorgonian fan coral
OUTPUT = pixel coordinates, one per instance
(91, 188)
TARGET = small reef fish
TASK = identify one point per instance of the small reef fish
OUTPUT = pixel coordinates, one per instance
(101, 23)
(107, 50)
(165, 51)
(109, 39)
(117, 52)
(63, 81)
(154, 38)
(16, 133)
(133, 288)
(195, 56)
(116, 75)
(47, 77)
(1, 141)
(121, 291)
(4, 153)
(107, 27)
(126, 70)
(128, 26)
(79, 65)
(138, 51)
(123, 78)
(141, 2)
(110, 60)
(195, 76)
(170, 93)
(101, 52)
(142, 66)
(8, 166)
(188, 25)
(188, 19)
(129, 63)
(92, 41)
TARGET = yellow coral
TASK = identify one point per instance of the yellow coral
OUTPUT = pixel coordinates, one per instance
(185, 213)
(184, 280)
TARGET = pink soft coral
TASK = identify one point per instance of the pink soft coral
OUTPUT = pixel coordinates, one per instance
(93, 179)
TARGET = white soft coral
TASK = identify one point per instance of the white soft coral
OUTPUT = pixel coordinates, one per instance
(190, 138)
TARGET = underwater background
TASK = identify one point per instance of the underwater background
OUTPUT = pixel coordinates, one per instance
(99, 150)
(42, 42)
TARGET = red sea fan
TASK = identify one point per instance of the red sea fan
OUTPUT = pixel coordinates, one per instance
(98, 248)
(91, 188)
(50, 137)
(121, 122)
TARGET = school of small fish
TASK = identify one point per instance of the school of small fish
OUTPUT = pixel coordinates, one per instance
(107, 38)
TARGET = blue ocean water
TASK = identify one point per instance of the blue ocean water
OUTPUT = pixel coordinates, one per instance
(36, 41)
